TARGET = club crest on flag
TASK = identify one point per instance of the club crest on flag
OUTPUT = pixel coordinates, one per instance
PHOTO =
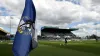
(25, 26)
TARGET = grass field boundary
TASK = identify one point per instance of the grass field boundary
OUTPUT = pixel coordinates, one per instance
(79, 47)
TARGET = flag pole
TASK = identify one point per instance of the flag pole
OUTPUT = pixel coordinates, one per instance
(10, 25)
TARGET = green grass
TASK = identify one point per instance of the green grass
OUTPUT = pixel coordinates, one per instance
(53, 48)
(5, 50)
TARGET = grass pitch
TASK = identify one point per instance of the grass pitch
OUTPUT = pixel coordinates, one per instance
(57, 48)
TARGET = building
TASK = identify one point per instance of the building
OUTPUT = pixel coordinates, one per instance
(57, 33)
(3, 34)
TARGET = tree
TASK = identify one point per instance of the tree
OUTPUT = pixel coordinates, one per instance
(95, 37)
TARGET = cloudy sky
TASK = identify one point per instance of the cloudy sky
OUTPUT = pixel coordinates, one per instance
(82, 14)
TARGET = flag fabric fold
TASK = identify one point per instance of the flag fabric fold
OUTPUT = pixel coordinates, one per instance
(25, 39)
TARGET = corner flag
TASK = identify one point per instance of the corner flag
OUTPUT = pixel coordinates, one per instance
(25, 39)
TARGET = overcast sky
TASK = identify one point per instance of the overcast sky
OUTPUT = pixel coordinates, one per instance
(82, 14)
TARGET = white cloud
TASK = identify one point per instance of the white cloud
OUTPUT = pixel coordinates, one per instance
(9, 20)
(1, 28)
(57, 12)
(15, 6)
(86, 3)
(87, 29)
(90, 25)
(53, 13)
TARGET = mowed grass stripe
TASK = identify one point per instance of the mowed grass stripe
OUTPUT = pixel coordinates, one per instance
(82, 47)
(53, 48)
(5, 50)
(47, 50)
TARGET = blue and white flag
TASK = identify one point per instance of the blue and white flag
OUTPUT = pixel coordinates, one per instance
(25, 39)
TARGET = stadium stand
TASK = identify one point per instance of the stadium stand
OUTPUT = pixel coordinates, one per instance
(3, 34)
(53, 33)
